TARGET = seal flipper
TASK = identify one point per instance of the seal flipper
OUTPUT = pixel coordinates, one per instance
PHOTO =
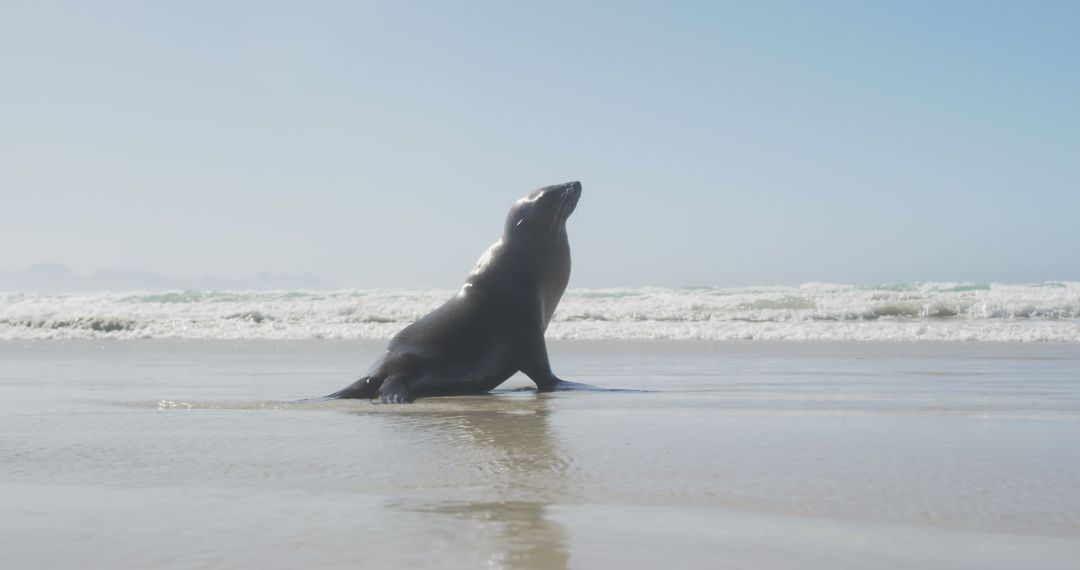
(564, 385)
(538, 369)
(364, 388)
(394, 391)
(533, 359)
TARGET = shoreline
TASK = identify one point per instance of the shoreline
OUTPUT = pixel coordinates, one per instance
(674, 342)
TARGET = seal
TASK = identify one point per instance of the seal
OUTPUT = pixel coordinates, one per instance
(494, 326)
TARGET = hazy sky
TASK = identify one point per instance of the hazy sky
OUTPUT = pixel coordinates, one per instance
(381, 143)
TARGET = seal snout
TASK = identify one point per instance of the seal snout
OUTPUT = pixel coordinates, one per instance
(572, 190)
(571, 193)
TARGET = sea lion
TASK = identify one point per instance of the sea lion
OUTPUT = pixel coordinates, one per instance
(494, 326)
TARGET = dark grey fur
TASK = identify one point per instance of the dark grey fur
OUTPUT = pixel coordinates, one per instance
(494, 326)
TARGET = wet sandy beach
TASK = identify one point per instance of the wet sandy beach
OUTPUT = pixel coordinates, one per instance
(180, 454)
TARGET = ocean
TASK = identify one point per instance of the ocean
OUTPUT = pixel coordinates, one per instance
(1048, 312)
(775, 428)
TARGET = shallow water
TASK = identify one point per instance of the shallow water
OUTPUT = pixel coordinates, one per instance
(764, 455)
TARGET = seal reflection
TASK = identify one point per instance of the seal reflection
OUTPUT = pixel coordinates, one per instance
(514, 534)
(514, 473)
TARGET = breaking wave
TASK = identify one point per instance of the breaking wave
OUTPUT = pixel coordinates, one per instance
(814, 311)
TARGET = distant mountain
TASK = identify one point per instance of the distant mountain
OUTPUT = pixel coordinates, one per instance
(55, 278)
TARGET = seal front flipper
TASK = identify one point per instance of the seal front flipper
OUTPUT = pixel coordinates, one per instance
(559, 385)
(531, 350)
(364, 388)
(535, 363)
(568, 385)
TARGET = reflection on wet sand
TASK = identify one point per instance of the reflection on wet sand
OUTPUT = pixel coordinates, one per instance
(511, 534)
(517, 460)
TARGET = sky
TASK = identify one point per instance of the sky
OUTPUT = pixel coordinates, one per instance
(380, 144)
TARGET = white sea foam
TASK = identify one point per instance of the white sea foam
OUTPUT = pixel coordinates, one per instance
(814, 311)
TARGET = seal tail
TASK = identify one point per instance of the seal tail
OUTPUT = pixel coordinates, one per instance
(364, 388)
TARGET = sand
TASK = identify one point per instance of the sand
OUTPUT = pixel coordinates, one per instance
(180, 454)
